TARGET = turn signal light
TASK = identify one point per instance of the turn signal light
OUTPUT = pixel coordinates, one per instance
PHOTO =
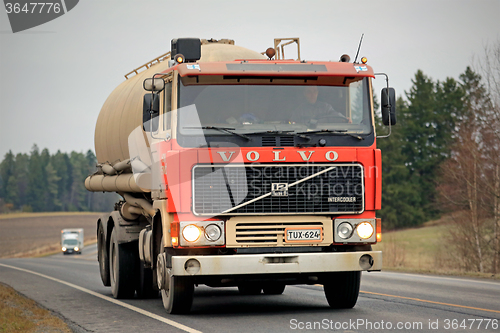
(174, 233)
(379, 229)
(364, 60)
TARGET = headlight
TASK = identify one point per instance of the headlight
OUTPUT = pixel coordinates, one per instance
(212, 232)
(364, 230)
(76, 248)
(201, 233)
(64, 249)
(345, 230)
(191, 233)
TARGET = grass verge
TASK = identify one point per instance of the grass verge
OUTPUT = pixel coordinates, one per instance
(20, 314)
(423, 250)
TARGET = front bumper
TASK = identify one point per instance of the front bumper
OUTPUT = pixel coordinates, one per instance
(274, 263)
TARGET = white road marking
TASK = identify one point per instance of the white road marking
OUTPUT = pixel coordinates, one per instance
(112, 300)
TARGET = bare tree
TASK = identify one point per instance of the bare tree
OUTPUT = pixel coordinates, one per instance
(471, 177)
(461, 187)
(489, 67)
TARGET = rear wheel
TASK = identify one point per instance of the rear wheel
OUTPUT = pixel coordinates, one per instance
(342, 289)
(145, 288)
(274, 288)
(122, 262)
(102, 257)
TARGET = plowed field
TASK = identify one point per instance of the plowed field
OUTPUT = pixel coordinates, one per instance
(25, 235)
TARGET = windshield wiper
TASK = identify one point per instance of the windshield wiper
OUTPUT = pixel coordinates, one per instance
(221, 129)
(300, 135)
(339, 132)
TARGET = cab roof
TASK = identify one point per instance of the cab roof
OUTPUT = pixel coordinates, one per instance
(284, 68)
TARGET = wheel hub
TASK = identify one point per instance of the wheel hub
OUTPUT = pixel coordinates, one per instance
(163, 272)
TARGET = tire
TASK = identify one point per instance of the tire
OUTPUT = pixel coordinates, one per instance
(103, 257)
(342, 289)
(145, 288)
(274, 288)
(249, 289)
(123, 268)
(178, 298)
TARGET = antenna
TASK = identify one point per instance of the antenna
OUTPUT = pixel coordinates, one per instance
(359, 47)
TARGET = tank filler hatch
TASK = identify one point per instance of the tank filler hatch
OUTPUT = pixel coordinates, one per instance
(279, 47)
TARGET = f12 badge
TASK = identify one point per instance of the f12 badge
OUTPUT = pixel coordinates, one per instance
(279, 190)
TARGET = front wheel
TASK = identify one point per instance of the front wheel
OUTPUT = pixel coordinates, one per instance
(176, 291)
(342, 289)
(178, 298)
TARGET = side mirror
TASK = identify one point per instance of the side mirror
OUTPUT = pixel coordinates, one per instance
(155, 85)
(150, 112)
(388, 106)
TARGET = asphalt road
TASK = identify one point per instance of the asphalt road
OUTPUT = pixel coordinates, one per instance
(389, 302)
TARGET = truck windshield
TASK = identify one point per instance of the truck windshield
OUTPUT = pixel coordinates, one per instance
(70, 242)
(250, 109)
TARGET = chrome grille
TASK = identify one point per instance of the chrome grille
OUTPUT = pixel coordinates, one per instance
(241, 190)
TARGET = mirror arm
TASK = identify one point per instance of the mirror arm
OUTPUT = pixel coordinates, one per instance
(386, 78)
(390, 127)
(153, 77)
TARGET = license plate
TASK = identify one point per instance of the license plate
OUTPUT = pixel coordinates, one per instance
(303, 235)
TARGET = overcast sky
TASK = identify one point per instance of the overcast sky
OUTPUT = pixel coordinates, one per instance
(55, 77)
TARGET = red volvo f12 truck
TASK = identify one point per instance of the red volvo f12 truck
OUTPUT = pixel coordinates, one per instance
(239, 168)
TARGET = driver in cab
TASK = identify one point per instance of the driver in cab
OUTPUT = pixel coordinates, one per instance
(311, 111)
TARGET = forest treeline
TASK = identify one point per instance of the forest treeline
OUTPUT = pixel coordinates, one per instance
(41, 182)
